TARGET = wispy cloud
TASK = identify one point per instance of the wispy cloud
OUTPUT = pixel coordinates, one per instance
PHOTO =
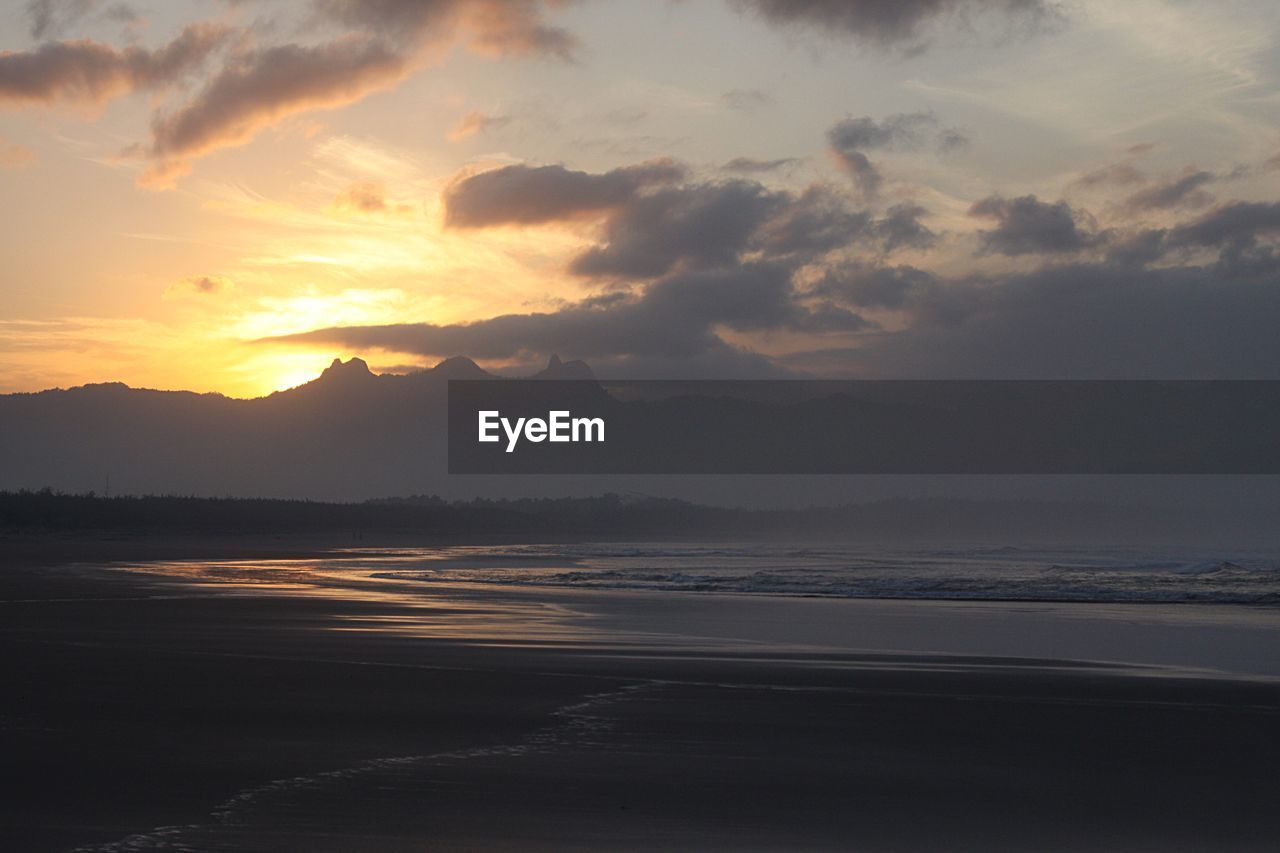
(476, 122)
(90, 71)
(14, 156)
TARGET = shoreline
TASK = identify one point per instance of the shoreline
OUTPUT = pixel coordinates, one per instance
(29, 550)
(374, 715)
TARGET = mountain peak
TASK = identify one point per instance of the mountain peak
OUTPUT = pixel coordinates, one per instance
(459, 367)
(557, 369)
(356, 368)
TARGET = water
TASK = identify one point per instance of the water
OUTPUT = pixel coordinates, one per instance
(982, 573)
(784, 642)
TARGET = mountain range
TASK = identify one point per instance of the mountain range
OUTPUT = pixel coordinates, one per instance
(348, 434)
(351, 435)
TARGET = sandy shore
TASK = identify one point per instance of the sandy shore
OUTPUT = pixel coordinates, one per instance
(144, 712)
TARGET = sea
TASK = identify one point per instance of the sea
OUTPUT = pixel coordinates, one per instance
(986, 573)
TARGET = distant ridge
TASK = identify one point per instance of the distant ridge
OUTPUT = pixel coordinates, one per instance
(459, 367)
(557, 369)
(355, 369)
(609, 516)
(347, 434)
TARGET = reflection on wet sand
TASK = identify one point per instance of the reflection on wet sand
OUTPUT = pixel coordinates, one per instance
(340, 703)
(467, 595)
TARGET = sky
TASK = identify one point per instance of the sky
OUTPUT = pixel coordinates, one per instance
(225, 196)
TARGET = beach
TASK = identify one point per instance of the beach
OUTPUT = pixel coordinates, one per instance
(279, 700)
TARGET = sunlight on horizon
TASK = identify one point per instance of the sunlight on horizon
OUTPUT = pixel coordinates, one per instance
(328, 210)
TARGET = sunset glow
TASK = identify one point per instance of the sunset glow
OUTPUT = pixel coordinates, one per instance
(675, 425)
(178, 232)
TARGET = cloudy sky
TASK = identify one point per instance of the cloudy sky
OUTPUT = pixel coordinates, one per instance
(224, 196)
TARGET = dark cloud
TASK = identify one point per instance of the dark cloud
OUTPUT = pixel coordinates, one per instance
(864, 173)
(722, 362)
(717, 225)
(91, 71)
(1241, 233)
(890, 23)
(1183, 191)
(901, 228)
(1104, 320)
(698, 265)
(258, 88)
(1114, 175)
(1026, 225)
(381, 43)
(526, 195)
(690, 263)
(50, 17)
(920, 293)
(750, 166)
(706, 225)
(852, 137)
(54, 17)
(1235, 231)
(804, 226)
(653, 225)
(1248, 260)
(951, 139)
(895, 132)
(676, 317)
(1078, 321)
(500, 27)
(868, 286)
(687, 261)
(1137, 248)
(1098, 321)
(1235, 224)
(753, 297)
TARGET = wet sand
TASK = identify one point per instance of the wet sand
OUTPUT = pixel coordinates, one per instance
(171, 712)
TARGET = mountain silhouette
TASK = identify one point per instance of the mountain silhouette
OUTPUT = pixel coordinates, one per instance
(348, 434)
(557, 369)
(457, 367)
(351, 434)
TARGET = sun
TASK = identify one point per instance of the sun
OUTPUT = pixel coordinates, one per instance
(272, 369)
(292, 378)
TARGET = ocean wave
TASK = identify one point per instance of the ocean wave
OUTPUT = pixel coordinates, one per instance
(1005, 574)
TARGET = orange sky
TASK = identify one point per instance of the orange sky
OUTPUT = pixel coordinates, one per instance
(229, 174)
